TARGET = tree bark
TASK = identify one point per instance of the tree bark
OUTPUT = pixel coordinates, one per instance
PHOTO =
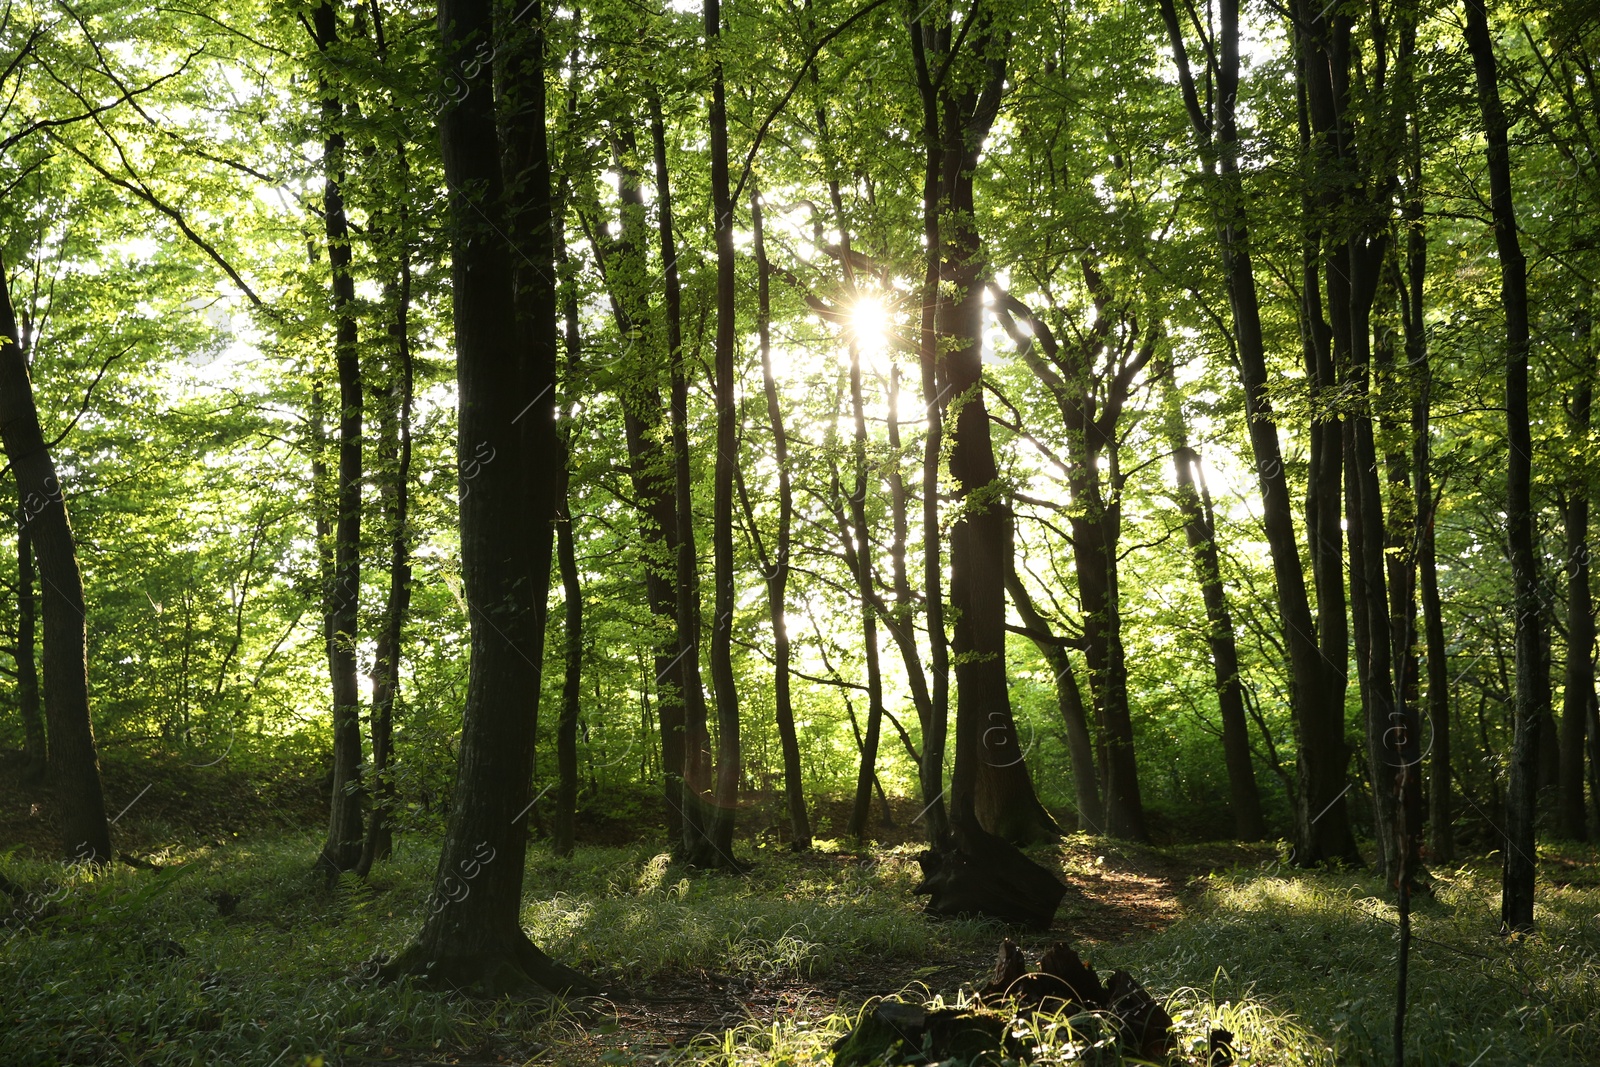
(341, 851)
(1069, 699)
(73, 766)
(474, 937)
(989, 785)
(1322, 828)
(650, 465)
(1069, 373)
(571, 691)
(775, 569)
(1441, 827)
(1532, 697)
(708, 828)
(34, 745)
(395, 498)
(564, 823)
(692, 771)
(930, 773)
(1194, 503)
(1578, 689)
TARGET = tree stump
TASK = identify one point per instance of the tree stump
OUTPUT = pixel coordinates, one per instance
(977, 873)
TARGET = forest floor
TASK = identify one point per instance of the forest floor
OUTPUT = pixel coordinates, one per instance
(233, 953)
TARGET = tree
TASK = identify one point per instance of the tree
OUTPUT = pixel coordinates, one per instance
(74, 767)
(1090, 413)
(775, 565)
(1531, 690)
(473, 935)
(989, 785)
(342, 598)
(1322, 830)
(1200, 529)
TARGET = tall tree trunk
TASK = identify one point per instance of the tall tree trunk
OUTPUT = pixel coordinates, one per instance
(1325, 480)
(395, 498)
(1532, 695)
(1322, 827)
(776, 568)
(73, 766)
(708, 832)
(474, 935)
(1578, 690)
(858, 531)
(1094, 552)
(1194, 502)
(695, 768)
(1441, 829)
(34, 745)
(562, 833)
(867, 773)
(650, 464)
(930, 773)
(1069, 699)
(571, 689)
(1441, 820)
(1096, 527)
(899, 617)
(342, 600)
(989, 785)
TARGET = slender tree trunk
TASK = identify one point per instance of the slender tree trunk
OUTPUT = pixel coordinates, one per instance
(342, 600)
(571, 689)
(695, 768)
(1194, 502)
(395, 496)
(1578, 689)
(725, 802)
(1322, 828)
(1441, 820)
(776, 569)
(567, 560)
(1094, 551)
(652, 463)
(857, 530)
(930, 774)
(1441, 828)
(73, 767)
(1532, 696)
(867, 774)
(34, 746)
(1096, 528)
(473, 935)
(1069, 698)
(1325, 482)
(899, 619)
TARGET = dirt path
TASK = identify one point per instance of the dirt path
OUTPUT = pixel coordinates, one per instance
(1114, 892)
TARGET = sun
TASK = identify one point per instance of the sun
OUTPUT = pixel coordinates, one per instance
(870, 323)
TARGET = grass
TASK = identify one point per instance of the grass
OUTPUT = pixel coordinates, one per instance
(140, 968)
(1322, 949)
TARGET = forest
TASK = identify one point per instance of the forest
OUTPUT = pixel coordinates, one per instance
(684, 532)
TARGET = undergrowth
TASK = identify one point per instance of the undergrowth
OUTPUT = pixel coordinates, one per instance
(142, 967)
(238, 955)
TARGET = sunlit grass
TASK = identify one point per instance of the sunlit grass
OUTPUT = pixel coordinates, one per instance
(1321, 949)
(1300, 967)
